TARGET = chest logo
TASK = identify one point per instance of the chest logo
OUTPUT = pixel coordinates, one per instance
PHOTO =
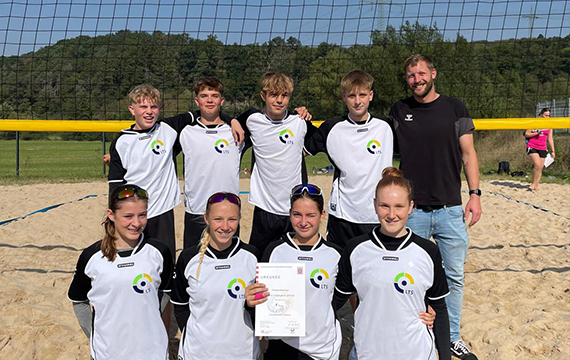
(221, 146)
(157, 147)
(373, 147)
(409, 117)
(318, 277)
(236, 289)
(403, 282)
(286, 136)
(141, 283)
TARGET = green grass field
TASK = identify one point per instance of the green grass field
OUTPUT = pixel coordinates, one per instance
(54, 161)
(49, 161)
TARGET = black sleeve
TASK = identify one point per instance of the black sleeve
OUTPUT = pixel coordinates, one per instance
(439, 288)
(181, 313)
(117, 172)
(167, 267)
(315, 142)
(243, 122)
(178, 295)
(180, 121)
(441, 329)
(344, 287)
(81, 283)
(391, 120)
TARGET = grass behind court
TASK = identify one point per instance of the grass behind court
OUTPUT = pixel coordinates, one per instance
(50, 161)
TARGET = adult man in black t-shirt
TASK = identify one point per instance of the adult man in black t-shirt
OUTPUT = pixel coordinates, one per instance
(435, 136)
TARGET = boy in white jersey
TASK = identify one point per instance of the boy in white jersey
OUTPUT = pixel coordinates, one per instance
(359, 146)
(211, 157)
(277, 137)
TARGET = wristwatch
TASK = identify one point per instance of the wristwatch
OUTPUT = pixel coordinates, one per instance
(475, 191)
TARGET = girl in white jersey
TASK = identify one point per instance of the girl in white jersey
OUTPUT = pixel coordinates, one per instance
(209, 288)
(323, 334)
(394, 273)
(122, 277)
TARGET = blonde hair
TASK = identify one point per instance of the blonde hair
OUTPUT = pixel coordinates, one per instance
(206, 237)
(393, 176)
(276, 83)
(144, 92)
(204, 242)
(356, 79)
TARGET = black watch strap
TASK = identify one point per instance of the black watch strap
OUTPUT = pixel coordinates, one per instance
(475, 191)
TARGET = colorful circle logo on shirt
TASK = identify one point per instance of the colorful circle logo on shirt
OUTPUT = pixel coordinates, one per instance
(221, 145)
(157, 146)
(236, 289)
(318, 276)
(285, 136)
(141, 283)
(402, 281)
(373, 147)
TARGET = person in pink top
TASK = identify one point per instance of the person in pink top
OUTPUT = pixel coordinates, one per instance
(537, 150)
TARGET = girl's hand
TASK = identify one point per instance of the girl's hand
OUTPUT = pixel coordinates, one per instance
(428, 317)
(256, 293)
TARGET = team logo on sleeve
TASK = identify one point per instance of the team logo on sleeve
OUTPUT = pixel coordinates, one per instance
(141, 283)
(373, 147)
(157, 147)
(221, 146)
(236, 289)
(403, 282)
(286, 136)
(318, 277)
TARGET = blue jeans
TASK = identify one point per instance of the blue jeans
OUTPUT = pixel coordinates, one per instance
(447, 227)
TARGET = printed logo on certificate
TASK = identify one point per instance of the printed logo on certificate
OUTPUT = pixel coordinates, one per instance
(283, 314)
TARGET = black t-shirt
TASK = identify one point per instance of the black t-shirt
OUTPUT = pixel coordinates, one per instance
(428, 143)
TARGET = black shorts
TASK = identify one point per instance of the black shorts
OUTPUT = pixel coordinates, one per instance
(267, 227)
(340, 231)
(161, 227)
(541, 153)
(278, 350)
(194, 226)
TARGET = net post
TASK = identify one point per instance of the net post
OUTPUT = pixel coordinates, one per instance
(17, 153)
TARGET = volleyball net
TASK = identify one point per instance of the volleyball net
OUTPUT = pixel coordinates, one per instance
(78, 59)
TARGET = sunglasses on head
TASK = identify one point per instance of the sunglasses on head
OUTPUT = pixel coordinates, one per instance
(308, 188)
(130, 191)
(220, 196)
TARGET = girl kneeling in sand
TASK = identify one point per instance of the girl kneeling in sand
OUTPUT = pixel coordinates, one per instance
(123, 277)
(209, 288)
(393, 271)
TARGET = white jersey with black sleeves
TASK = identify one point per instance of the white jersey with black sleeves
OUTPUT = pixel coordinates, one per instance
(392, 286)
(323, 334)
(278, 161)
(211, 163)
(146, 158)
(359, 152)
(219, 327)
(124, 295)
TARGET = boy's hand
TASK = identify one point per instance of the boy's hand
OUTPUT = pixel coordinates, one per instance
(303, 113)
(428, 317)
(107, 159)
(237, 132)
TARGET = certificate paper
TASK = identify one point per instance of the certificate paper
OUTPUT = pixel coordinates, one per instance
(283, 314)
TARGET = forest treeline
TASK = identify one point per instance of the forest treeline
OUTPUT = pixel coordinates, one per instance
(88, 78)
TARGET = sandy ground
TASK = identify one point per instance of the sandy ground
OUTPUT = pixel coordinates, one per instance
(517, 288)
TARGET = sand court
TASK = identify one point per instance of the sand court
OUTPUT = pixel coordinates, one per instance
(517, 286)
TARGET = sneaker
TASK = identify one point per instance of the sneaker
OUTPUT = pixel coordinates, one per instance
(460, 350)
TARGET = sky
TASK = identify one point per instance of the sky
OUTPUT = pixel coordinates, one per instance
(27, 26)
